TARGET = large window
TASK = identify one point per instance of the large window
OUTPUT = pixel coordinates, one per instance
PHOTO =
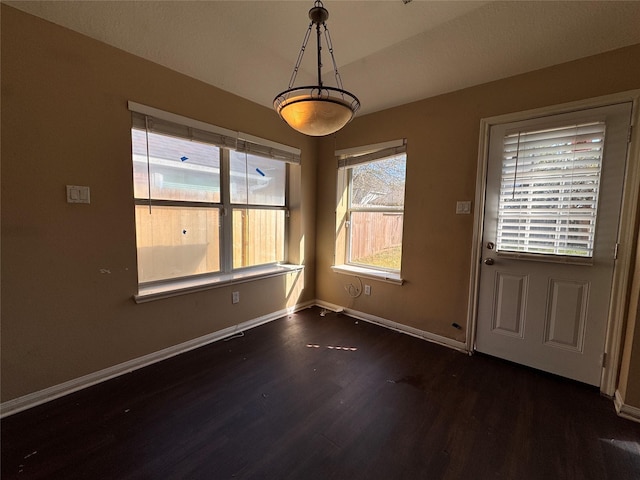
(372, 181)
(207, 201)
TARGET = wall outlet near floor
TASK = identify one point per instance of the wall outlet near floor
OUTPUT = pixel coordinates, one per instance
(367, 289)
(235, 297)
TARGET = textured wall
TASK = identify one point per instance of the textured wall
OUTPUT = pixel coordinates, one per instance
(65, 121)
(442, 154)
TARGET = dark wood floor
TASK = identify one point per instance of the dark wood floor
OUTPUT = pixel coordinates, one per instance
(325, 397)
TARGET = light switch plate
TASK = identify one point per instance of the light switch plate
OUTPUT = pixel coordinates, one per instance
(78, 194)
(463, 208)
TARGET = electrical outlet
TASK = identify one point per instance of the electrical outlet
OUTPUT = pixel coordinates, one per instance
(78, 194)
(367, 289)
(235, 297)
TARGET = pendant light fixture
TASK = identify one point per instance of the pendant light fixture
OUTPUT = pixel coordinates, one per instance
(316, 110)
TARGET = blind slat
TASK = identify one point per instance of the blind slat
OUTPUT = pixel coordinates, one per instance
(553, 177)
(583, 161)
(560, 197)
(555, 216)
(557, 189)
(570, 141)
(555, 133)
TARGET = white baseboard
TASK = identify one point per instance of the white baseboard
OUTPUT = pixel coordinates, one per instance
(51, 393)
(414, 332)
(626, 411)
(37, 398)
(34, 399)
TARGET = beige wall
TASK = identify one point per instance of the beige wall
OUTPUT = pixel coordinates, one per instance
(65, 121)
(629, 387)
(442, 149)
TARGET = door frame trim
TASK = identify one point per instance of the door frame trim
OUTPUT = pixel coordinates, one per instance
(626, 230)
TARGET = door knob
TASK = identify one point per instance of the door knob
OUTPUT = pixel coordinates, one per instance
(488, 261)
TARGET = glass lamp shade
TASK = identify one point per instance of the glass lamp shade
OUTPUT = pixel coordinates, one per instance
(316, 115)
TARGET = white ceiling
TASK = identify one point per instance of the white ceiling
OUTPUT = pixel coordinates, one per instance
(388, 53)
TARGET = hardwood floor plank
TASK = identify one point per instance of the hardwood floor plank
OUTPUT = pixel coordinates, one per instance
(325, 397)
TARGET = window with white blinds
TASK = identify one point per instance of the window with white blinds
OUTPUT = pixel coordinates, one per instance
(374, 180)
(549, 190)
(208, 201)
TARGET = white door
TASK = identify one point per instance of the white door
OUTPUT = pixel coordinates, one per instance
(553, 195)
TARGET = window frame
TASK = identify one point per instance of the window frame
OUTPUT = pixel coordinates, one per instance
(225, 140)
(347, 160)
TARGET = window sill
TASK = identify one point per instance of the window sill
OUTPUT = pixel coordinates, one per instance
(157, 291)
(388, 277)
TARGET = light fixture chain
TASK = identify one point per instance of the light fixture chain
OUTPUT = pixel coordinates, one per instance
(327, 37)
(316, 110)
(300, 55)
(319, 55)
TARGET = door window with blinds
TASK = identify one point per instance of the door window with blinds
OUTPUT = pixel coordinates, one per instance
(373, 180)
(207, 201)
(549, 190)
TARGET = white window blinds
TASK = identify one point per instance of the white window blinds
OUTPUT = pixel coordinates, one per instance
(549, 190)
(166, 123)
(370, 153)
